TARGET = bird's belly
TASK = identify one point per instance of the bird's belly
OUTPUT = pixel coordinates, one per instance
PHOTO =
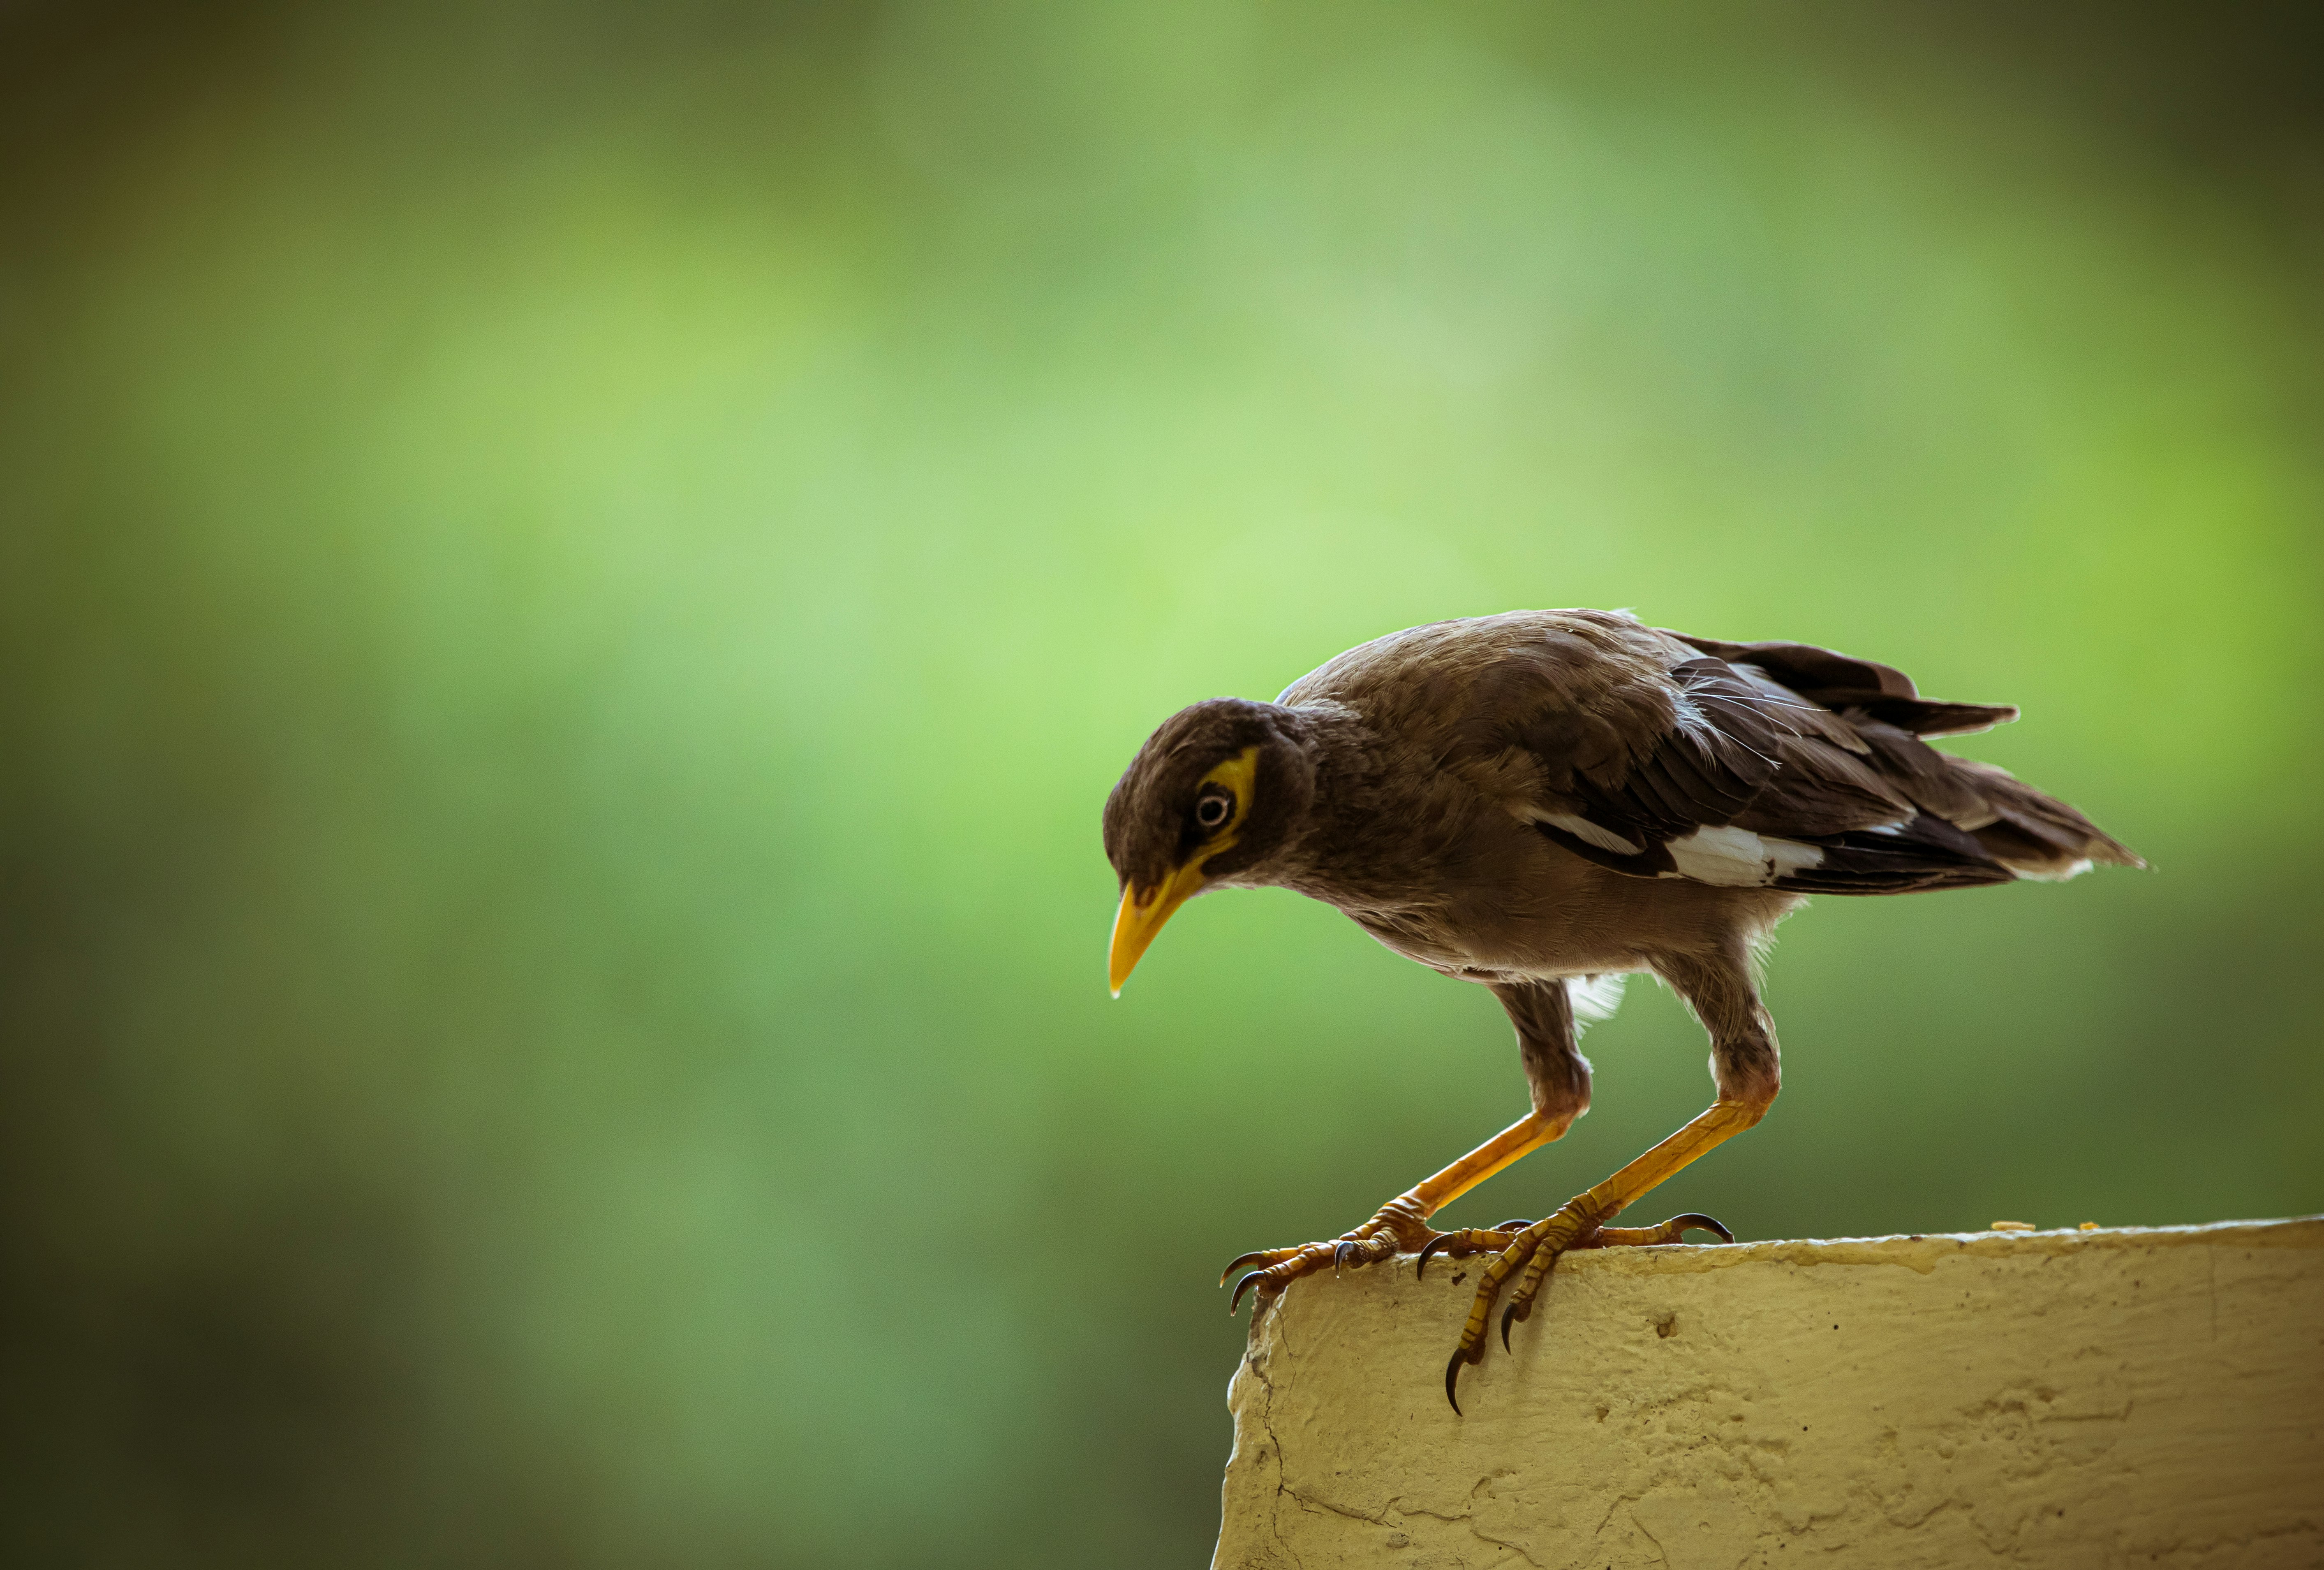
(1414, 938)
(1512, 950)
(1513, 905)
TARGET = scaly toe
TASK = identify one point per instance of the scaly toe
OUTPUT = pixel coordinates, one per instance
(1257, 1257)
(1538, 1265)
(1530, 1256)
(1666, 1231)
(1467, 1241)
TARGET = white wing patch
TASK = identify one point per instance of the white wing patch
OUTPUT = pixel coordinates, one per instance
(1727, 858)
(1736, 858)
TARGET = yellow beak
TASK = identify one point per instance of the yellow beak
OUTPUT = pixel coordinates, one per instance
(1142, 916)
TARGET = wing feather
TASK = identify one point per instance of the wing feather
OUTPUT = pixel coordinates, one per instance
(1842, 681)
(1661, 755)
(1783, 765)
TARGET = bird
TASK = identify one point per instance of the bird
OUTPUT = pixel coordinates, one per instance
(1545, 802)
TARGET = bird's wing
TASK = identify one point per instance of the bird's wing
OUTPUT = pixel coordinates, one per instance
(1773, 765)
(1839, 682)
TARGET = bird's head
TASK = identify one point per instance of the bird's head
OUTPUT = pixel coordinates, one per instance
(1208, 798)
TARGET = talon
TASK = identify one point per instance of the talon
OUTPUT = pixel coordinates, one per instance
(1680, 1223)
(1340, 1255)
(1429, 1247)
(1239, 1261)
(1507, 1314)
(1236, 1301)
(1519, 1224)
(1452, 1379)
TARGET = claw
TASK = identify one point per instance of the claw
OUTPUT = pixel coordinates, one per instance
(1340, 1255)
(1236, 1301)
(1452, 1378)
(1519, 1224)
(1680, 1223)
(1507, 1314)
(1239, 1261)
(1429, 1247)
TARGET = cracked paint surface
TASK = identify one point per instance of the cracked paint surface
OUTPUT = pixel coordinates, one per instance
(2068, 1399)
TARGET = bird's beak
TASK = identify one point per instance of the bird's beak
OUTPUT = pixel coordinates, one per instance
(1142, 913)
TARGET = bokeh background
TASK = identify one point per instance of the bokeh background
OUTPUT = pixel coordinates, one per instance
(574, 579)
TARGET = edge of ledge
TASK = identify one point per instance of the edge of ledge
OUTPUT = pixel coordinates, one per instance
(1921, 1251)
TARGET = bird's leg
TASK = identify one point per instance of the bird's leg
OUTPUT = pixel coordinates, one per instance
(1559, 1078)
(1542, 1012)
(1744, 1060)
(1580, 1222)
(1400, 1224)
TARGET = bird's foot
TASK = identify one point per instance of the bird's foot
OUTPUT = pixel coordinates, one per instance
(1530, 1252)
(1399, 1226)
(1478, 1240)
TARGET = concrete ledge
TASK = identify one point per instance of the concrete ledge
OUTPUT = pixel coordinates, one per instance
(2055, 1398)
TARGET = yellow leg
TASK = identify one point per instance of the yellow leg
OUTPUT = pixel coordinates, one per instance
(1536, 1249)
(1431, 1195)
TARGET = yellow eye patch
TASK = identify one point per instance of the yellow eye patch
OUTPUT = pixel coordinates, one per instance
(1238, 774)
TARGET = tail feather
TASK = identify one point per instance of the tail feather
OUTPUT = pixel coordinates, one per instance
(2033, 835)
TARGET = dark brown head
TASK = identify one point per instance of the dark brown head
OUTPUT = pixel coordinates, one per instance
(1209, 797)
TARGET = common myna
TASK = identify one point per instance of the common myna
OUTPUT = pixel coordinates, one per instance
(1544, 801)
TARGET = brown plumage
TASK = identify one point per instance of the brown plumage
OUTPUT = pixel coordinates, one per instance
(1536, 800)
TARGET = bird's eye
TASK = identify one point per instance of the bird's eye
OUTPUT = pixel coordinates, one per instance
(1213, 806)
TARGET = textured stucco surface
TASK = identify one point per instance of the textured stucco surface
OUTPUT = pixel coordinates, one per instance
(2066, 1399)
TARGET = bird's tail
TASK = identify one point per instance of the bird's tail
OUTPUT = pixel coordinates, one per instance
(2032, 835)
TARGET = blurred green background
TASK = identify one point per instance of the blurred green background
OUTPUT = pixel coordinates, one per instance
(574, 579)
